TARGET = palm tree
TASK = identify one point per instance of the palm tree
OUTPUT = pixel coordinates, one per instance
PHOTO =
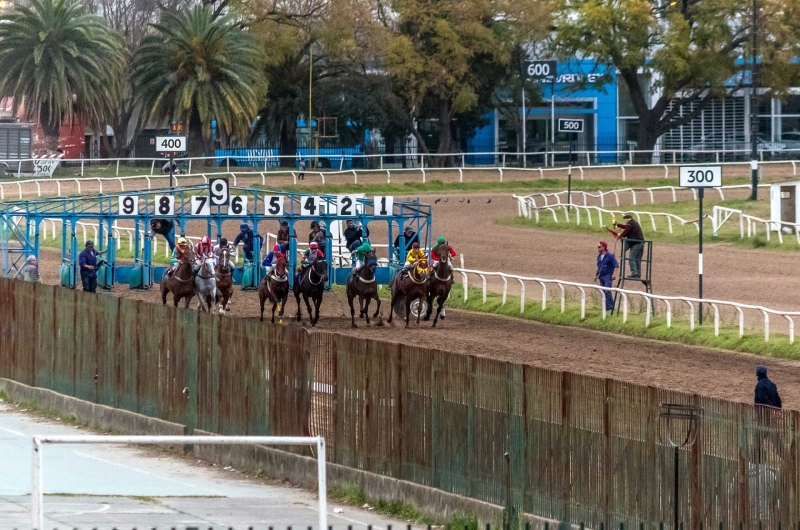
(59, 61)
(194, 69)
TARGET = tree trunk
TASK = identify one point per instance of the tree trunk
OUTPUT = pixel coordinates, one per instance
(51, 128)
(196, 143)
(445, 133)
(645, 143)
(289, 134)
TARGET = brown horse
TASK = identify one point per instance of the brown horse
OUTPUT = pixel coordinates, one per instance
(181, 283)
(224, 280)
(439, 284)
(413, 286)
(276, 288)
(366, 288)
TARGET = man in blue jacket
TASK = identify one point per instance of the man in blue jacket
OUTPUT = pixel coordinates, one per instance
(87, 260)
(246, 236)
(606, 265)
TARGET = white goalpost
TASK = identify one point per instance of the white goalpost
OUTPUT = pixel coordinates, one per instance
(37, 492)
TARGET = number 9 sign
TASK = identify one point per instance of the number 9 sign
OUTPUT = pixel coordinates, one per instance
(219, 191)
(128, 205)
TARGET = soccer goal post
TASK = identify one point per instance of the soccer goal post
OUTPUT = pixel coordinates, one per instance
(37, 491)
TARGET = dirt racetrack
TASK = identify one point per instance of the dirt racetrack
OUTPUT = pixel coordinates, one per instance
(710, 372)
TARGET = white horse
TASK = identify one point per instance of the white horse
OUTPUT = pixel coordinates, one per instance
(205, 284)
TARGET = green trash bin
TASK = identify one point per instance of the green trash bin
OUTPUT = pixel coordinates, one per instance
(64, 274)
(137, 277)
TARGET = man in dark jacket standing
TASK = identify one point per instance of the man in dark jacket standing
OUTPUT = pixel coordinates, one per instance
(766, 391)
(246, 237)
(633, 239)
(353, 235)
(87, 260)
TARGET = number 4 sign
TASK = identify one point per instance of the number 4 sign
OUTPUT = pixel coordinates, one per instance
(383, 205)
(310, 205)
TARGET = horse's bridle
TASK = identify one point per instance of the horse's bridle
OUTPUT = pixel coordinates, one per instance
(367, 265)
(224, 258)
(184, 261)
(410, 276)
(314, 270)
(198, 275)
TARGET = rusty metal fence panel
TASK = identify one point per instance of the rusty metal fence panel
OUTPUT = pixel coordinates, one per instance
(559, 445)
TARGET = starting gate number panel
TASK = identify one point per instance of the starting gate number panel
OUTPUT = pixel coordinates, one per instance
(219, 191)
(310, 205)
(165, 205)
(200, 205)
(346, 205)
(238, 205)
(128, 205)
(383, 205)
(273, 205)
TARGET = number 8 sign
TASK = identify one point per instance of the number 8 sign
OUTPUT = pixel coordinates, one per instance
(165, 205)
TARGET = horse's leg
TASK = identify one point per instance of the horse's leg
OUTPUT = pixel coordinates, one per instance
(310, 312)
(261, 300)
(317, 303)
(366, 301)
(378, 301)
(299, 310)
(176, 299)
(361, 311)
(274, 305)
(429, 309)
(393, 294)
(408, 308)
(439, 305)
(419, 314)
(352, 310)
(164, 292)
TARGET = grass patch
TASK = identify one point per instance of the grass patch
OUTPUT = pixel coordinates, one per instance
(682, 234)
(4, 396)
(728, 339)
(353, 495)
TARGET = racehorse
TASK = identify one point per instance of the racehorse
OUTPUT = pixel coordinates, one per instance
(439, 285)
(276, 288)
(311, 283)
(205, 284)
(365, 287)
(414, 286)
(181, 283)
(224, 276)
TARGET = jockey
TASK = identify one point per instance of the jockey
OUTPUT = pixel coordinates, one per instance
(414, 255)
(223, 243)
(177, 253)
(435, 252)
(272, 258)
(204, 248)
(310, 256)
(360, 254)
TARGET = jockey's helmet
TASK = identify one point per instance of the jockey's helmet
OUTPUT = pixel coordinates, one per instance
(313, 245)
(223, 241)
(415, 245)
(441, 239)
(182, 241)
(276, 248)
(205, 240)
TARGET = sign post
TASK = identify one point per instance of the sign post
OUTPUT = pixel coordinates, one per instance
(170, 147)
(543, 71)
(700, 177)
(572, 126)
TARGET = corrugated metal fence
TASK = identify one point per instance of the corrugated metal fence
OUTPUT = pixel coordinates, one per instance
(554, 444)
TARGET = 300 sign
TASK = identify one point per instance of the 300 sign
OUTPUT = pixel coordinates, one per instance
(701, 177)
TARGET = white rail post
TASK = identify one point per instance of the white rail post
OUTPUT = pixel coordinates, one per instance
(117, 167)
(322, 485)
(37, 511)
(521, 296)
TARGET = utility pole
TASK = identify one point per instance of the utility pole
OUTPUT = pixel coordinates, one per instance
(754, 108)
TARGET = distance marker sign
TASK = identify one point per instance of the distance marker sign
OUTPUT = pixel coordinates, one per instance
(171, 144)
(570, 125)
(701, 176)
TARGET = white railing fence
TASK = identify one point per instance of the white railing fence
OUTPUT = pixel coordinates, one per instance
(650, 300)
(748, 224)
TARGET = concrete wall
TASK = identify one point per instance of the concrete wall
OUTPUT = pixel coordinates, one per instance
(295, 469)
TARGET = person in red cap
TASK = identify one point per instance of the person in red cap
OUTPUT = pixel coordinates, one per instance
(606, 265)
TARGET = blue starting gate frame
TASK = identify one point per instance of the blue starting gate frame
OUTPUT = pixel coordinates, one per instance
(22, 219)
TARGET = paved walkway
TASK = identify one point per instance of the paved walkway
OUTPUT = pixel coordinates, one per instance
(126, 487)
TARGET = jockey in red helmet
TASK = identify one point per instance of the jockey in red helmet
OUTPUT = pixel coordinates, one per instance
(204, 248)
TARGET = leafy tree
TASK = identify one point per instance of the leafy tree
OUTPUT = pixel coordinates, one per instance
(446, 57)
(194, 69)
(61, 62)
(691, 51)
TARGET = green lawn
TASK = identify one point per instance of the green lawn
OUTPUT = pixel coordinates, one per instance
(728, 339)
(684, 234)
